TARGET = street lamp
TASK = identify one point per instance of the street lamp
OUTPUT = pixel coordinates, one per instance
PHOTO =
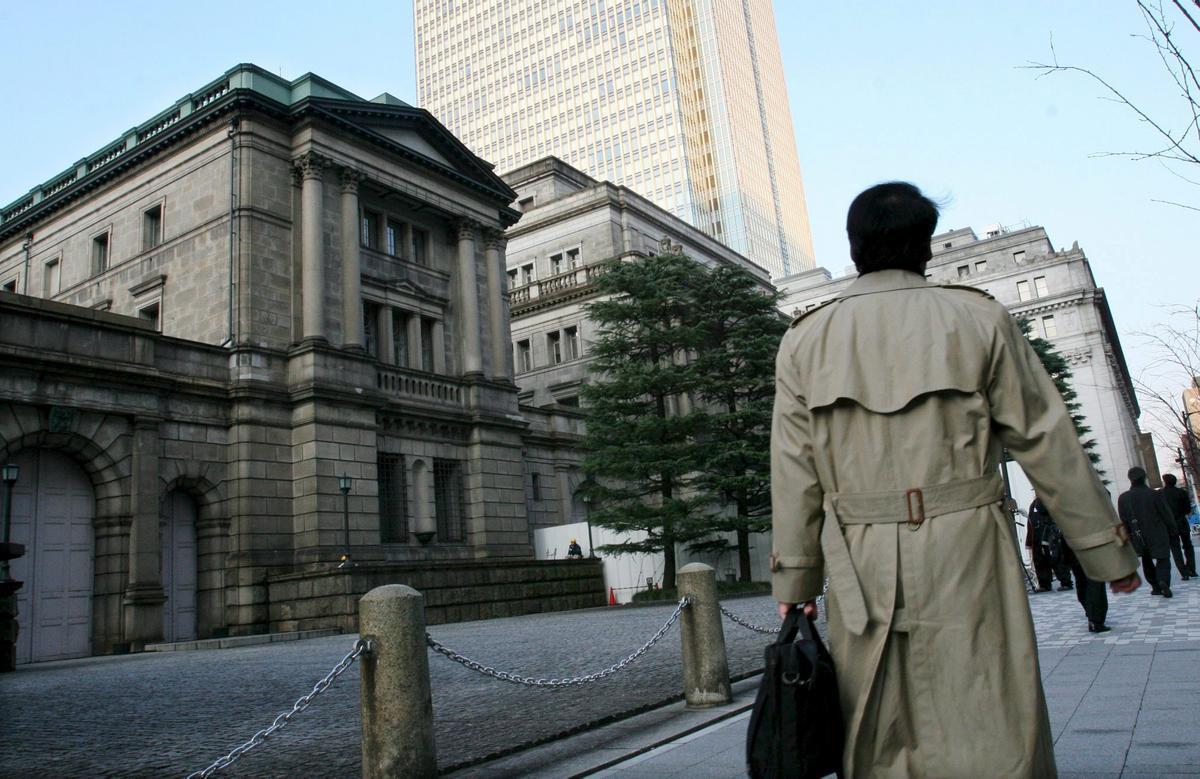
(344, 483)
(587, 515)
(9, 473)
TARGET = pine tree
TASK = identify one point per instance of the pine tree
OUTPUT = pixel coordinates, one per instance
(741, 328)
(640, 443)
(1056, 365)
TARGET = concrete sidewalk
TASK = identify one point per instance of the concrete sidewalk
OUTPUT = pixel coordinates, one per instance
(1122, 704)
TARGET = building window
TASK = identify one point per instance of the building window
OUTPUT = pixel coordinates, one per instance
(524, 357)
(51, 278)
(571, 342)
(395, 235)
(393, 499)
(556, 264)
(947, 245)
(370, 229)
(448, 500)
(572, 401)
(536, 480)
(527, 274)
(964, 271)
(1049, 327)
(554, 347)
(152, 227)
(512, 278)
(99, 254)
(981, 266)
(1023, 292)
(1019, 257)
(572, 258)
(370, 334)
(427, 344)
(1039, 286)
(420, 247)
(150, 314)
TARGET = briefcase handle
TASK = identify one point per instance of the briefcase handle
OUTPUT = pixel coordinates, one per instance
(794, 622)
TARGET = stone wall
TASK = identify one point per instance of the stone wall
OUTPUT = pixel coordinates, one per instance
(454, 592)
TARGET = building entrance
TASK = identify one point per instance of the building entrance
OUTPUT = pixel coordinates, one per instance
(53, 508)
(178, 543)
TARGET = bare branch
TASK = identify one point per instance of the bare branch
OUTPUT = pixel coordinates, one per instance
(1173, 203)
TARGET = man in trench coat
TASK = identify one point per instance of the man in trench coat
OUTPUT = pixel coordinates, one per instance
(893, 404)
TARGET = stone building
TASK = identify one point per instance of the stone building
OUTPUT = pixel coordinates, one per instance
(1057, 292)
(570, 223)
(269, 285)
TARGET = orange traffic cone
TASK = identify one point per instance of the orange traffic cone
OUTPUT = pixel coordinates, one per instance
(612, 597)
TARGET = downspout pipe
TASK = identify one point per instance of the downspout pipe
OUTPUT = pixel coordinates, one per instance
(230, 340)
(28, 248)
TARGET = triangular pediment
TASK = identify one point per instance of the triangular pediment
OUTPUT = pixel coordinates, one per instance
(411, 139)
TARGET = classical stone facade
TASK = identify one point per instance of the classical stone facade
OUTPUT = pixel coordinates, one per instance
(1057, 292)
(266, 287)
(570, 224)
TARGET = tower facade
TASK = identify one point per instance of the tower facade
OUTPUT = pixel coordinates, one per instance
(681, 100)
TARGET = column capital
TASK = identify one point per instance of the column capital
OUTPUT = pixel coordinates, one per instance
(311, 165)
(465, 228)
(350, 180)
(496, 240)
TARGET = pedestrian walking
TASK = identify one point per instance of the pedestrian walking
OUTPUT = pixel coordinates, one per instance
(1045, 543)
(1149, 521)
(1180, 504)
(913, 389)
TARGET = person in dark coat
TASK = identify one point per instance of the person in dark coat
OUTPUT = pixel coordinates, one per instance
(1045, 542)
(1149, 522)
(1089, 592)
(1180, 504)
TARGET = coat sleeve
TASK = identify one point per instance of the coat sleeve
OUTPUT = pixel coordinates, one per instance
(797, 512)
(1033, 423)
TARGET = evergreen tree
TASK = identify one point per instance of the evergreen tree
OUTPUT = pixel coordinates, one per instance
(741, 328)
(641, 434)
(1056, 365)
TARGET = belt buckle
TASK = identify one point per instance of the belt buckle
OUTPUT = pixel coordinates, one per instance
(916, 508)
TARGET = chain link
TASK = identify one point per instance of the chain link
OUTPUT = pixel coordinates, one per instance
(750, 625)
(360, 646)
(529, 681)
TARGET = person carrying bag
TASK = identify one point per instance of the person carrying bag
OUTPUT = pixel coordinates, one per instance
(796, 724)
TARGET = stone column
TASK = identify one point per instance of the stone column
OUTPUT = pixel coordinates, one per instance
(387, 349)
(468, 287)
(439, 346)
(406, 242)
(497, 321)
(144, 596)
(312, 245)
(352, 326)
(705, 663)
(414, 342)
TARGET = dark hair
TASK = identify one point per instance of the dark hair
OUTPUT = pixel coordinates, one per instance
(889, 226)
(1169, 479)
(1136, 474)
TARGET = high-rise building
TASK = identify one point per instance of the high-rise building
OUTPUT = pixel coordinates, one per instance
(683, 101)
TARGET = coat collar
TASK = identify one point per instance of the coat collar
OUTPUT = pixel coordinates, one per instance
(885, 281)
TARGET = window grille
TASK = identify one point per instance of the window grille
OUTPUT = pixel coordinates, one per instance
(448, 500)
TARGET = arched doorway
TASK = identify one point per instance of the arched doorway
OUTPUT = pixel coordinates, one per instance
(53, 508)
(177, 535)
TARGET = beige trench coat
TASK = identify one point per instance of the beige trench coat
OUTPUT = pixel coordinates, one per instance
(892, 405)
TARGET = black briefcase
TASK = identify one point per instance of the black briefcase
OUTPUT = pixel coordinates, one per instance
(796, 726)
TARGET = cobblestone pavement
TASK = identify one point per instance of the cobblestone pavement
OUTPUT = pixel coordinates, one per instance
(171, 713)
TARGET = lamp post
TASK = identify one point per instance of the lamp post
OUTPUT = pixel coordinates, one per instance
(587, 515)
(344, 483)
(9, 473)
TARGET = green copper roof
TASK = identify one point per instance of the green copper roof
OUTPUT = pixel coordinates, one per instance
(243, 76)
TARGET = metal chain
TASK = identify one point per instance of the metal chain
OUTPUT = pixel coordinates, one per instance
(532, 682)
(750, 625)
(360, 646)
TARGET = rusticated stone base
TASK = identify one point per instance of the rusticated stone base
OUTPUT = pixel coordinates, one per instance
(454, 591)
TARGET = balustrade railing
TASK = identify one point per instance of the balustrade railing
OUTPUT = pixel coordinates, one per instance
(422, 387)
(561, 283)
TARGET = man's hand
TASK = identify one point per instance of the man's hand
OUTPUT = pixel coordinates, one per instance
(1128, 584)
(810, 609)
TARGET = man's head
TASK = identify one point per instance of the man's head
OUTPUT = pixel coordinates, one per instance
(1169, 479)
(1136, 475)
(889, 226)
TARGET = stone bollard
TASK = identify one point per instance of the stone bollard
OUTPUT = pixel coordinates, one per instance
(705, 666)
(397, 708)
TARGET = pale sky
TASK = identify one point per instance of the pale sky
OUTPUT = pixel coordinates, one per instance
(932, 93)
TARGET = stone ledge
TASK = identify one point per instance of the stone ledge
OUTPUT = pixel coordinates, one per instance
(236, 641)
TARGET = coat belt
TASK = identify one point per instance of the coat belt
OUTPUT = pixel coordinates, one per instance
(911, 507)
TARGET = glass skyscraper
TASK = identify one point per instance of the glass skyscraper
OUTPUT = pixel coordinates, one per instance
(683, 101)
